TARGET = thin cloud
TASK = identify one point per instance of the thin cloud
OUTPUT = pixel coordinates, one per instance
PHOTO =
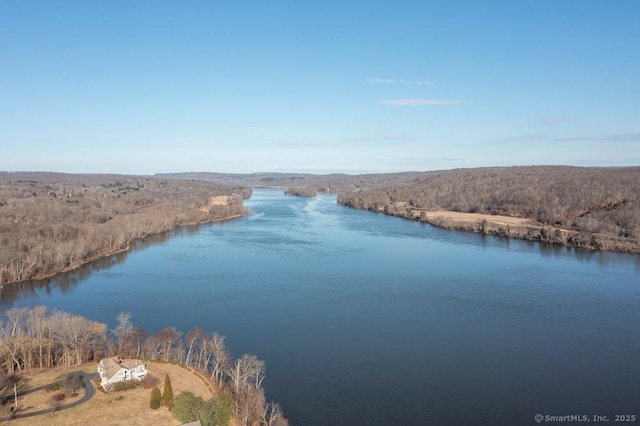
(381, 81)
(399, 81)
(297, 144)
(552, 121)
(536, 137)
(615, 137)
(420, 102)
(382, 138)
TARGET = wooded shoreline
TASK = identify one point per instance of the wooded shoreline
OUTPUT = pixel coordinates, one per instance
(53, 223)
(100, 256)
(521, 229)
(584, 207)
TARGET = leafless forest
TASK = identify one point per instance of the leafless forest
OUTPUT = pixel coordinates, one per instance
(301, 191)
(52, 222)
(322, 183)
(595, 203)
(37, 338)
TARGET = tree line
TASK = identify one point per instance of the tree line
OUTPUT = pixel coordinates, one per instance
(50, 223)
(301, 191)
(35, 337)
(587, 200)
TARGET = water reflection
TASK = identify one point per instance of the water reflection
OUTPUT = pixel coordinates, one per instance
(64, 283)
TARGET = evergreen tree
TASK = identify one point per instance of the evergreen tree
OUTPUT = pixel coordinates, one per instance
(167, 395)
(155, 398)
(223, 408)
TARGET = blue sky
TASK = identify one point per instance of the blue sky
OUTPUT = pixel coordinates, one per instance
(332, 86)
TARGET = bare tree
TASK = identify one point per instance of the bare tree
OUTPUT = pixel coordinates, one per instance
(271, 413)
(247, 371)
(138, 335)
(170, 338)
(193, 339)
(221, 356)
(123, 330)
(36, 322)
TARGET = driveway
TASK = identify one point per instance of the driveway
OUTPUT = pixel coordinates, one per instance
(89, 392)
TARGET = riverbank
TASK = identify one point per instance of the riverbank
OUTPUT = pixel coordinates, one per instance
(54, 223)
(99, 256)
(510, 227)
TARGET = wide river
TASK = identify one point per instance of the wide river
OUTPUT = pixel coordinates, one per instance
(366, 319)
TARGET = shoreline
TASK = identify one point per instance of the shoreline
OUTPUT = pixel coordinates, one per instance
(511, 227)
(113, 252)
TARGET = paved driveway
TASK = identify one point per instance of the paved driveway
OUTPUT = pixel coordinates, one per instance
(89, 392)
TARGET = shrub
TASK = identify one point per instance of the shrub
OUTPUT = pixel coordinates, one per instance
(184, 406)
(57, 396)
(53, 387)
(167, 395)
(55, 401)
(187, 407)
(72, 382)
(154, 403)
(149, 381)
(126, 385)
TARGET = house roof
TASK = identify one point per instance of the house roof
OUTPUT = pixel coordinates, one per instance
(111, 366)
(131, 363)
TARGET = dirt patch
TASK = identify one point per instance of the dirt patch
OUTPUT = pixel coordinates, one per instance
(116, 408)
(474, 217)
(220, 200)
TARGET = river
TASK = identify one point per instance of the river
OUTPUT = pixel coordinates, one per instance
(369, 319)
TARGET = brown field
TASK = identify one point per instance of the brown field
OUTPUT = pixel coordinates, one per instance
(116, 408)
(218, 200)
(475, 217)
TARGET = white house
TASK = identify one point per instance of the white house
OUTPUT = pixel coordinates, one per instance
(113, 370)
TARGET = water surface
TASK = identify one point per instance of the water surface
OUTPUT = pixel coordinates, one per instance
(368, 319)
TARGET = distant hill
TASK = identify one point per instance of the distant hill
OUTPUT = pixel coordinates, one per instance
(325, 183)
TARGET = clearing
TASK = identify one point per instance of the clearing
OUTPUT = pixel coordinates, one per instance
(474, 217)
(220, 200)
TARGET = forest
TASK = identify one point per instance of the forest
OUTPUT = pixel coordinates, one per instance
(52, 223)
(596, 204)
(37, 338)
(332, 183)
(301, 191)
